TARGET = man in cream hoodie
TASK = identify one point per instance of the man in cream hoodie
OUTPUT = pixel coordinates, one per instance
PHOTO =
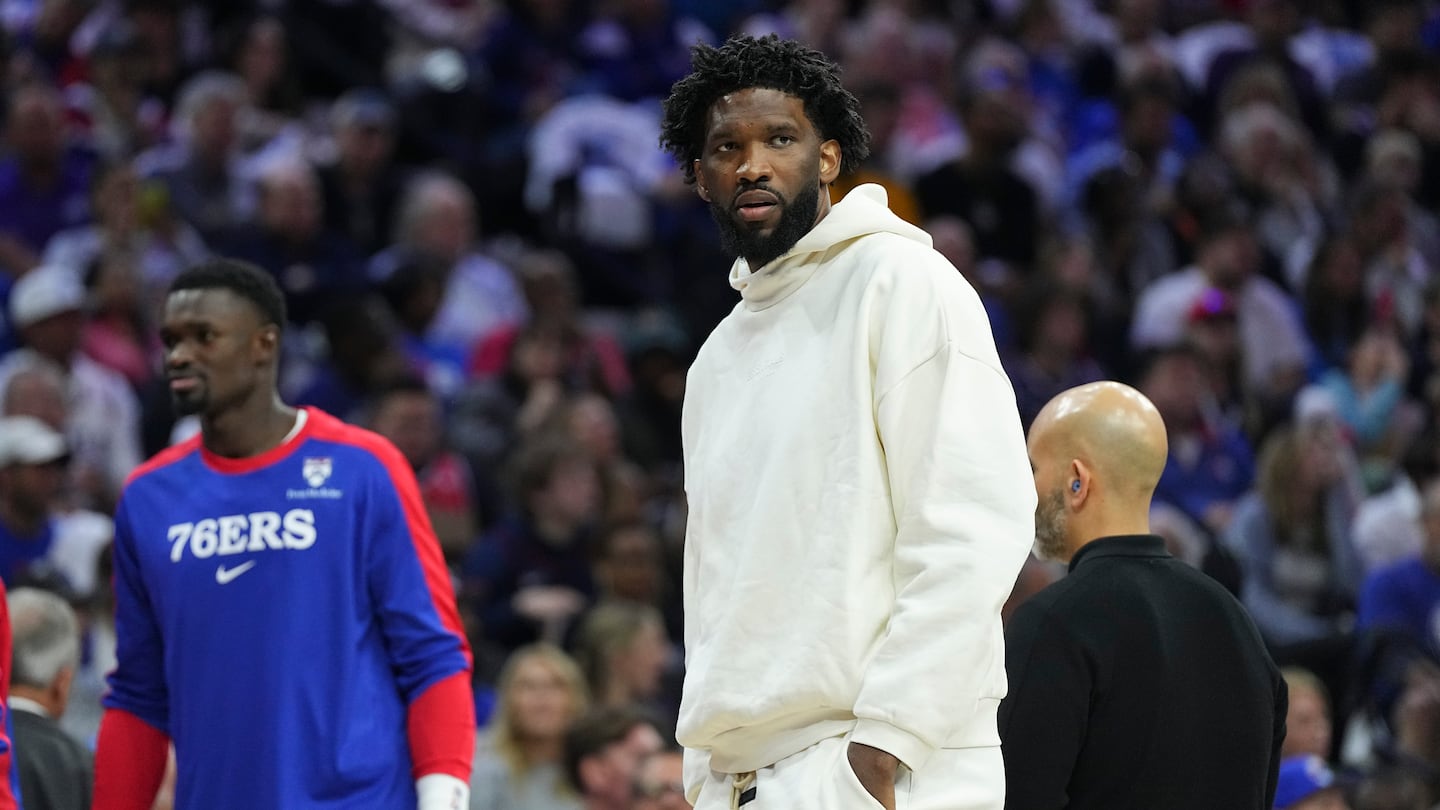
(860, 499)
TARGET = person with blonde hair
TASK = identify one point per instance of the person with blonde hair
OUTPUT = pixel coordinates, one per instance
(622, 649)
(1308, 724)
(518, 767)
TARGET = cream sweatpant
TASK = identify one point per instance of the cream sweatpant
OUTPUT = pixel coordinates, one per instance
(820, 778)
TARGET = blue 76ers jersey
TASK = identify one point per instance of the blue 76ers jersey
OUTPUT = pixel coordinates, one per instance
(277, 614)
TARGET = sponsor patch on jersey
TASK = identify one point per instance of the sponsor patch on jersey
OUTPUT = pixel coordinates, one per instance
(316, 471)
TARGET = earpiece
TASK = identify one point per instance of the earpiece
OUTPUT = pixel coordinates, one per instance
(1075, 485)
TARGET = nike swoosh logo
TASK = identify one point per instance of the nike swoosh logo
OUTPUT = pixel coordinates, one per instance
(225, 575)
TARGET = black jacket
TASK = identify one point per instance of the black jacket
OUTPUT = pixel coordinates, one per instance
(56, 771)
(1139, 683)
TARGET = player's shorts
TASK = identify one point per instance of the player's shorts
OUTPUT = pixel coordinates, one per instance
(820, 778)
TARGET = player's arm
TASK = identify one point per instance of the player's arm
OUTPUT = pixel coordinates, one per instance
(1042, 720)
(415, 604)
(133, 743)
(964, 505)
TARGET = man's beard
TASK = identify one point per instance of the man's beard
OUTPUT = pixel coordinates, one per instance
(796, 220)
(1050, 526)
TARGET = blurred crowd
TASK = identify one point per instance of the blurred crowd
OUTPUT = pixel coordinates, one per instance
(1231, 204)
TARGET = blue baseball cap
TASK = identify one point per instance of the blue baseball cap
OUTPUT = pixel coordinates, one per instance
(1300, 778)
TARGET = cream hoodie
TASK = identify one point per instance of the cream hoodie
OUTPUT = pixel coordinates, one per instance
(860, 504)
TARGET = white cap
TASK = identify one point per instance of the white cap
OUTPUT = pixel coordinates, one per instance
(1315, 404)
(27, 440)
(43, 292)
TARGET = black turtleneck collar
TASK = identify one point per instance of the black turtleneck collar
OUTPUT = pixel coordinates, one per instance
(1125, 545)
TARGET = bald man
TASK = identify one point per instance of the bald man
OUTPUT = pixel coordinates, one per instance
(1136, 682)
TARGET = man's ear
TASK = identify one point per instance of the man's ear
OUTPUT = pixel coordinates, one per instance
(1078, 490)
(267, 343)
(830, 159)
(700, 182)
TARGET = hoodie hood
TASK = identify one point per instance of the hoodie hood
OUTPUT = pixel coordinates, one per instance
(865, 210)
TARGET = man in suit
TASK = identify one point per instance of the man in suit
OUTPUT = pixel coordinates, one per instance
(1136, 681)
(55, 769)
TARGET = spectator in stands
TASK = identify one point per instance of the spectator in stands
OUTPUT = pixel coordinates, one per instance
(1292, 536)
(1394, 158)
(44, 182)
(980, 187)
(591, 421)
(437, 219)
(1210, 464)
(1054, 351)
(1396, 273)
(1281, 177)
(117, 333)
(122, 119)
(363, 357)
(529, 578)
(623, 651)
(634, 50)
(202, 171)
(1145, 146)
(1274, 345)
(1369, 396)
(1403, 596)
(491, 417)
(133, 222)
(1307, 724)
(541, 693)
(38, 543)
(1333, 299)
(1131, 248)
(1211, 328)
(44, 40)
(656, 350)
(414, 290)
(1394, 30)
(604, 752)
(362, 187)
(56, 771)
(1396, 787)
(258, 51)
(592, 357)
(162, 30)
(1307, 783)
(661, 784)
(289, 240)
(46, 307)
(410, 416)
(528, 51)
(1273, 23)
(37, 392)
(630, 567)
(880, 102)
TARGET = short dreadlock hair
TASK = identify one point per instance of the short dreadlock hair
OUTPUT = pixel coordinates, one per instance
(773, 63)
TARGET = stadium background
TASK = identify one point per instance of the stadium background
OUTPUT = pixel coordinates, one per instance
(1230, 204)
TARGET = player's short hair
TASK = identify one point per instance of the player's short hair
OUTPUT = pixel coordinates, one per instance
(241, 278)
(769, 62)
(597, 730)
